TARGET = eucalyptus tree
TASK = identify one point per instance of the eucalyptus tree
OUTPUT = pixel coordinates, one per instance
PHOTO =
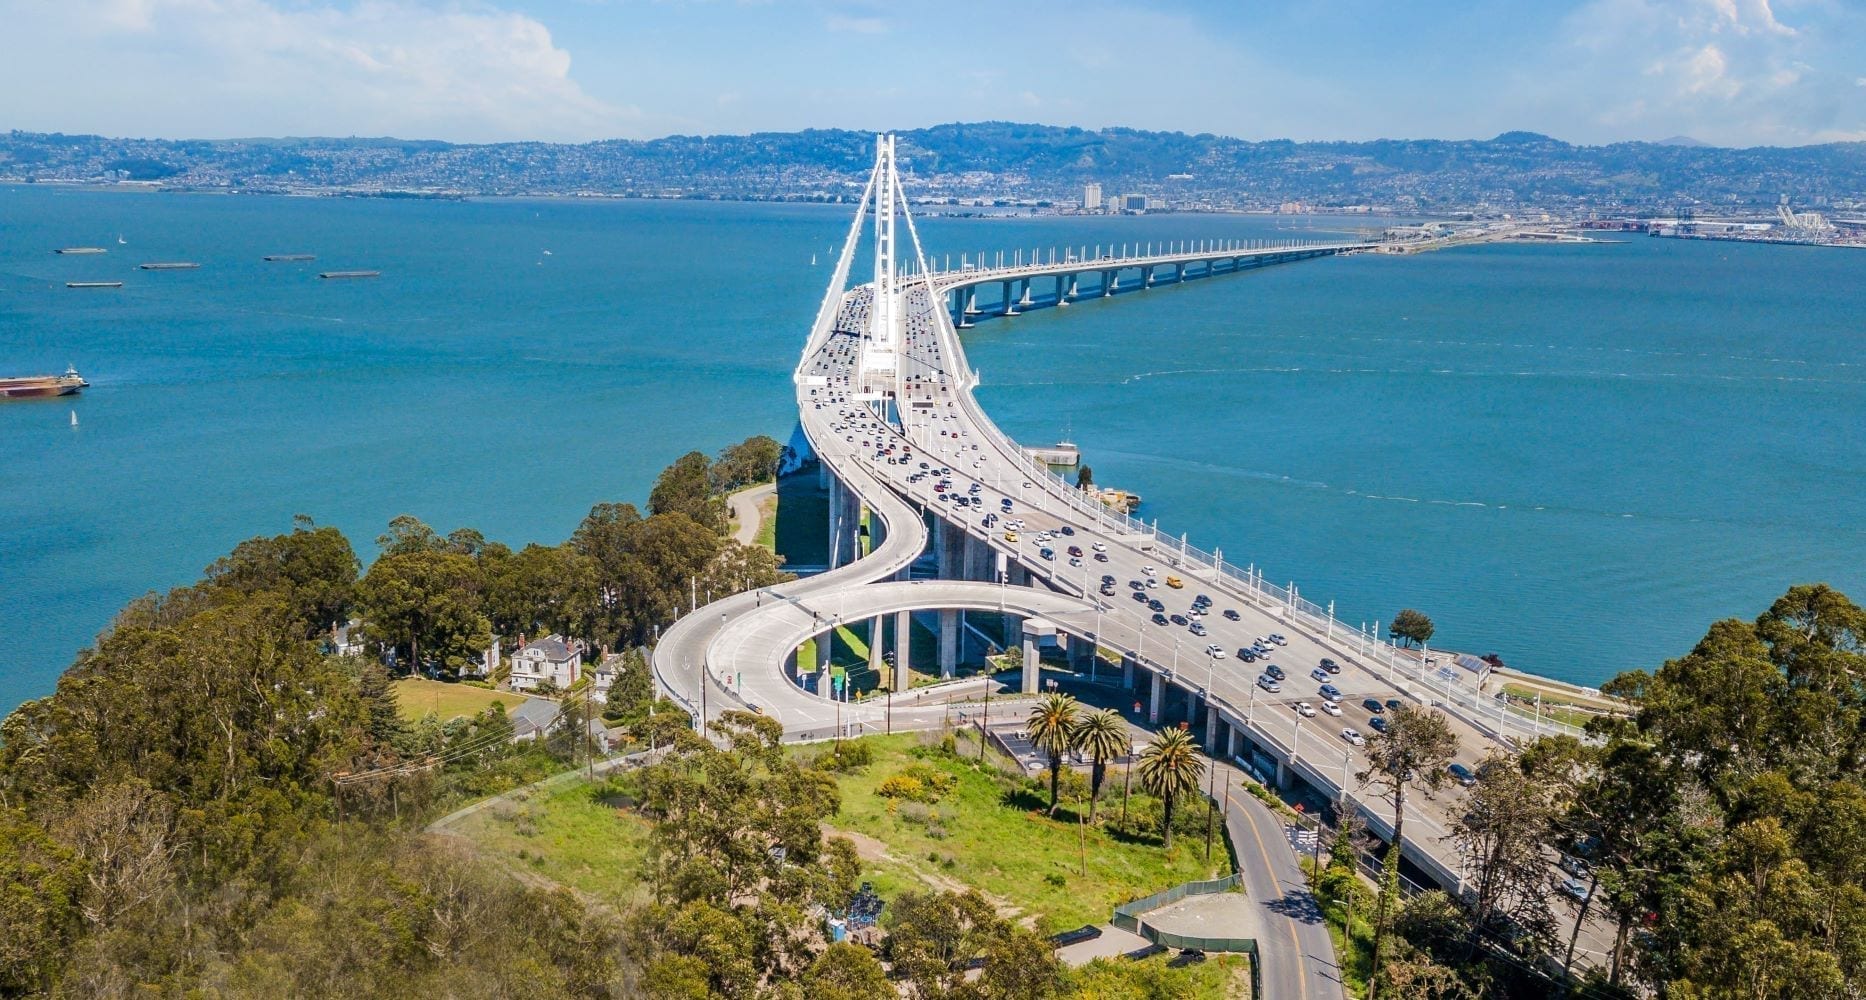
(1413, 752)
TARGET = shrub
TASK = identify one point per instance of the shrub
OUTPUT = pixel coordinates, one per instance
(1056, 879)
(846, 756)
(900, 786)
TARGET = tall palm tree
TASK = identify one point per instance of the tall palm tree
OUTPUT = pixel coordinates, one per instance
(1103, 736)
(1052, 728)
(1170, 767)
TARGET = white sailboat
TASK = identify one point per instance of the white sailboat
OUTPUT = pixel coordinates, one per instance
(121, 241)
(74, 418)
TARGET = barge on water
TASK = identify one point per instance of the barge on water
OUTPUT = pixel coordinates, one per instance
(276, 257)
(349, 274)
(93, 284)
(73, 251)
(170, 265)
(38, 386)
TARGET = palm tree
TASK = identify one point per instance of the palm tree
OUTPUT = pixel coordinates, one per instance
(1170, 767)
(1052, 728)
(1103, 736)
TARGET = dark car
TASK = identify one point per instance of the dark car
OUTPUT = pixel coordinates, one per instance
(1075, 550)
(1159, 619)
(1461, 774)
(1136, 585)
(1246, 655)
(1154, 603)
(1108, 578)
(1275, 671)
(1378, 723)
(1140, 596)
(1047, 552)
(1393, 704)
(1330, 665)
(1232, 615)
(1373, 705)
(1067, 530)
(1178, 619)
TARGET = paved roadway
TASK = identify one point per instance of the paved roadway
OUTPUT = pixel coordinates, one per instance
(742, 645)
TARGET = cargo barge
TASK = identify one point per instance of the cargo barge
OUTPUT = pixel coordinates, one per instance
(290, 256)
(176, 265)
(93, 284)
(348, 274)
(39, 386)
(71, 251)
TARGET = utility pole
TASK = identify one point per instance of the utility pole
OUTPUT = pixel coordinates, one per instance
(1211, 807)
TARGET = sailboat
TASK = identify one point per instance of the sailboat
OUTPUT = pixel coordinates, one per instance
(813, 260)
(121, 241)
(74, 418)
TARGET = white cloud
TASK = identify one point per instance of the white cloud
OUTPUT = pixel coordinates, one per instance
(220, 67)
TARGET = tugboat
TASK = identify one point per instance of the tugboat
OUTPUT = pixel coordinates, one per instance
(35, 386)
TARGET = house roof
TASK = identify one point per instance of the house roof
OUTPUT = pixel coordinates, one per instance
(535, 715)
(552, 646)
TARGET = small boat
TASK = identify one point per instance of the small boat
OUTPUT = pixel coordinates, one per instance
(74, 418)
(93, 284)
(170, 265)
(813, 260)
(349, 274)
(74, 251)
(120, 242)
(290, 256)
(34, 386)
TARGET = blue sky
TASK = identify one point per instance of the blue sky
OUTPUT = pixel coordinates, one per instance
(1731, 72)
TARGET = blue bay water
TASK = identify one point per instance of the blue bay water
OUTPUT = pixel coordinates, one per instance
(1576, 457)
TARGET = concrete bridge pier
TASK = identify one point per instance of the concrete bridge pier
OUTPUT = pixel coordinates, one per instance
(948, 643)
(1179, 272)
(875, 626)
(1146, 276)
(1127, 671)
(1008, 308)
(1025, 302)
(1034, 631)
(977, 560)
(1109, 282)
(1156, 695)
(903, 649)
(822, 663)
(971, 301)
(1211, 727)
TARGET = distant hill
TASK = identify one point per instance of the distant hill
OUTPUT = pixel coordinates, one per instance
(990, 160)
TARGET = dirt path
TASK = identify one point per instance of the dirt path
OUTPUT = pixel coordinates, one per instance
(746, 517)
(869, 849)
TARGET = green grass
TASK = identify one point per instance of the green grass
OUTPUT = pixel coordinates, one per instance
(1553, 708)
(1354, 949)
(418, 696)
(998, 844)
(563, 833)
(1217, 977)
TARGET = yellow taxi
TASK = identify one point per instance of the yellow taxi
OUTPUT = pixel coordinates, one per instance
(1175, 582)
(1010, 536)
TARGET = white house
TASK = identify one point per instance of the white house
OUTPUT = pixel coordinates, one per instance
(483, 665)
(604, 673)
(552, 658)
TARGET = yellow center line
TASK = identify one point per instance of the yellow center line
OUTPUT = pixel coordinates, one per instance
(1302, 971)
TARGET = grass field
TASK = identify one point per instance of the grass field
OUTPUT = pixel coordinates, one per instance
(980, 836)
(418, 696)
(564, 834)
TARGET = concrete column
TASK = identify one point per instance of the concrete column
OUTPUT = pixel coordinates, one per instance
(1211, 725)
(903, 648)
(1080, 650)
(1231, 743)
(875, 626)
(822, 663)
(1284, 776)
(948, 643)
(1146, 277)
(1156, 695)
(1127, 672)
(1025, 302)
(835, 518)
(1108, 283)
(1008, 308)
(1032, 667)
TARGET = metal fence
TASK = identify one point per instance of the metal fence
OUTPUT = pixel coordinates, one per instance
(1127, 917)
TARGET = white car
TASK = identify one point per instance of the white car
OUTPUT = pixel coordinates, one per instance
(1152, 583)
(1026, 486)
(1099, 547)
(1149, 570)
(1215, 652)
(1354, 737)
(1331, 708)
(1305, 710)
